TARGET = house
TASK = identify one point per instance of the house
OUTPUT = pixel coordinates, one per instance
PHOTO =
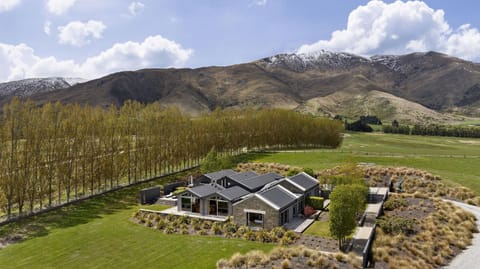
(302, 184)
(254, 184)
(267, 209)
(234, 179)
(258, 201)
(213, 177)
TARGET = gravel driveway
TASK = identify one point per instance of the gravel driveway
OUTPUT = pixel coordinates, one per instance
(469, 257)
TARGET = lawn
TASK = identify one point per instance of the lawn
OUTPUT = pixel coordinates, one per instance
(457, 160)
(318, 228)
(98, 234)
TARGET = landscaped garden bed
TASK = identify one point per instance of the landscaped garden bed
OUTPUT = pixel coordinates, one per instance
(171, 224)
(419, 232)
(291, 257)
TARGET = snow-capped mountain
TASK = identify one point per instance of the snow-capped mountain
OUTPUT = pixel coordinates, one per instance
(302, 62)
(327, 60)
(28, 87)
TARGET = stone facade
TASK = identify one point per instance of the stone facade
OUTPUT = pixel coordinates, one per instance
(271, 217)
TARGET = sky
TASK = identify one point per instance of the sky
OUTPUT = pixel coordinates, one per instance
(92, 38)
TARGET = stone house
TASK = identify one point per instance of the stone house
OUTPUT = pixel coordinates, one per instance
(258, 201)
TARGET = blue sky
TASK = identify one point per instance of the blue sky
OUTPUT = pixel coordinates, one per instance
(91, 38)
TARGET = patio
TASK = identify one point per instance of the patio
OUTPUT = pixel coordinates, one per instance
(174, 211)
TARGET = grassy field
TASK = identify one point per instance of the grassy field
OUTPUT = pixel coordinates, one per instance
(457, 160)
(99, 234)
(319, 228)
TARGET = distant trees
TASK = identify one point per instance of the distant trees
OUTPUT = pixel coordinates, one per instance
(433, 130)
(396, 128)
(371, 120)
(358, 126)
(58, 153)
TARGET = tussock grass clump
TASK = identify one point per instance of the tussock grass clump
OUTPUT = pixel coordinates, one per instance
(290, 257)
(263, 168)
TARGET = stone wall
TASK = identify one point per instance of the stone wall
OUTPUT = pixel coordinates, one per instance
(271, 217)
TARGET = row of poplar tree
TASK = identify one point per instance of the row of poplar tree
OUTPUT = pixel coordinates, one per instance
(58, 153)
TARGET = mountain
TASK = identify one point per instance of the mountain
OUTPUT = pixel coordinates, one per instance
(29, 87)
(412, 87)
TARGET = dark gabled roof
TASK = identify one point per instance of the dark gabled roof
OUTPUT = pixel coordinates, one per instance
(220, 174)
(243, 176)
(278, 197)
(203, 190)
(234, 193)
(260, 181)
(304, 180)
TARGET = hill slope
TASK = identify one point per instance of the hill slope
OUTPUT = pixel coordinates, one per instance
(439, 83)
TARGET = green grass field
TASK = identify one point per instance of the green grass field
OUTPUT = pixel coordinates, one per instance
(98, 233)
(457, 160)
(319, 228)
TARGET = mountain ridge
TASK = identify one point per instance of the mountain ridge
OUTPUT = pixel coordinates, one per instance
(438, 82)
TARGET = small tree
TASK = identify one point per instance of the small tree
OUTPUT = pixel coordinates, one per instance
(342, 214)
(309, 171)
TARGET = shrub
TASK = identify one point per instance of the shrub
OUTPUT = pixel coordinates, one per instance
(202, 232)
(292, 172)
(308, 211)
(161, 225)
(217, 228)
(277, 233)
(309, 171)
(230, 227)
(316, 202)
(263, 236)
(169, 229)
(206, 225)
(394, 203)
(196, 226)
(241, 231)
(396, 225)
(286, 264)
(250, 235)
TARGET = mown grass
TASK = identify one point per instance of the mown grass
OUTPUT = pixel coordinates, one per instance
(319, 228)
(456, 160)
(98, 233)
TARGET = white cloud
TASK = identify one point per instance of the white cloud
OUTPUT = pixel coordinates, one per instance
(6, 5)
(400, 27)
(46, 27)
(59, 7)
(20, 61)
(77, 33)
(260, 2)
(135, 7)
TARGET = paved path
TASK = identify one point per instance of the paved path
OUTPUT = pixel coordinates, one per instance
(469, 257)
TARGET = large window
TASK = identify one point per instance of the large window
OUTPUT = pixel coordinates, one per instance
(187, 203)
(195, 205)
(255, 219)
(217, 206)
(222, 208)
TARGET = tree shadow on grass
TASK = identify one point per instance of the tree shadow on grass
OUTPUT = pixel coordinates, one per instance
(78, 213)
(248, 157)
